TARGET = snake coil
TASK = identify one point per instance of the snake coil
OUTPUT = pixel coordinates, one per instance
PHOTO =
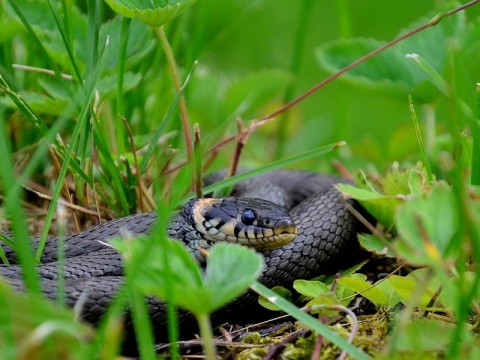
(325, 243)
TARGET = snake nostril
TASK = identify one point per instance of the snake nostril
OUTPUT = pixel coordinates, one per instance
(286, 224)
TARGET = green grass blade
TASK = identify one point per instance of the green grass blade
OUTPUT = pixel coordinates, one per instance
(68, 155)
(141, 323)
(172, 315)
(9, 350)
(65, 40)
(61, 236)
(164, 123)
(92, 37)
(475, 179)
(160, 240)
(272, 166)
(309, 321)
(48, 134)
(7, 241)
(14, 208)
(24, 107)
(420, 140)
(45, 55)
(120, 73)
(114, 175)
(298, 50)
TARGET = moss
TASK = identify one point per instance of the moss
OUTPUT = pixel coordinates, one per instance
(371, 337)
(256, 338)
(253, 354)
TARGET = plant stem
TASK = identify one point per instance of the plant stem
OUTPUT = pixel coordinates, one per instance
(62, 218)
(141, 323)
(416, 126)
(198, 161)
(298, 47)
(475, 179)
(121, 71)
(176, 80)
(206, 334)
(13, 203)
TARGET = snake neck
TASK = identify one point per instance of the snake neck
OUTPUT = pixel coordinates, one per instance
(182, 228)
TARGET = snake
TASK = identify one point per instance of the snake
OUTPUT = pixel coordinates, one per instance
(297, 220)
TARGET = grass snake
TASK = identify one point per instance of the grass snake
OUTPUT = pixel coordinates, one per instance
(325, 242)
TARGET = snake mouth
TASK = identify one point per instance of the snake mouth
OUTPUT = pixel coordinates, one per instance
(263, 243)
(285, 232)
(285, 235)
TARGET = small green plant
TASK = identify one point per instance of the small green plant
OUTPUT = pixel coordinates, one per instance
(169, 272)
(422, 228)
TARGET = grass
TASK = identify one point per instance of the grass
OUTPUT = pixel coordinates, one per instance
(111, 136)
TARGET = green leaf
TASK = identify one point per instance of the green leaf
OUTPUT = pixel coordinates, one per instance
(37, 13)
(154, 12)
(428, 224)
(310, 288)
(367, 290)
(324, 301)
(380, 206)
(231, 269)
(456, 291)
(107, 84)
(140, 42)
(374, 245)
(406, 286)
(386, 72)
(280, 290)
(406, 181)
(150, 273)
(390, 71)
(41, 104)
(344, 294)
(389, 291)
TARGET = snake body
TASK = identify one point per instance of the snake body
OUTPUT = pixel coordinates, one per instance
(325, 243)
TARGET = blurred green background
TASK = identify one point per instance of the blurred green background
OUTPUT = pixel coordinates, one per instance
(253, 56)
(243, 37)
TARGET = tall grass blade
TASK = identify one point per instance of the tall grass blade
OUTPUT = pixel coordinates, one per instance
(297, 55)
(141, 323)
(120, 73)
(68, 155)
(14, 208)
(475, 178)
(45, 55)
(65, 39)
(272, 166)
(420, 140)
(309, 321)
(154, 139)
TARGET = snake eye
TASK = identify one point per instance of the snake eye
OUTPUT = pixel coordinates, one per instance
(248, 217)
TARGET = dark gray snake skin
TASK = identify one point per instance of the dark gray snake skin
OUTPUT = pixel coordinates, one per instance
(326, 242)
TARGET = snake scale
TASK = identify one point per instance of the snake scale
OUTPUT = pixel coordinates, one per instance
(326, 242)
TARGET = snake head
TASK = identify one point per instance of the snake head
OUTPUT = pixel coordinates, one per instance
(257, 223)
